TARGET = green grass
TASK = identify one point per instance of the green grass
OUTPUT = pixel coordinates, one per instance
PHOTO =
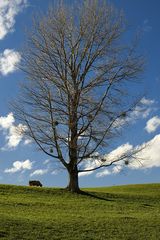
(124, 212)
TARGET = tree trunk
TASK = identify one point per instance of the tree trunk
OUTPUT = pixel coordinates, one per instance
(73, 185)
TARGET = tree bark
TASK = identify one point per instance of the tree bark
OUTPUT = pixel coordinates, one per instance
(73, 185)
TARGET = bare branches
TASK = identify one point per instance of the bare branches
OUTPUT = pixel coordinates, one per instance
(76, 71)
(126, 157)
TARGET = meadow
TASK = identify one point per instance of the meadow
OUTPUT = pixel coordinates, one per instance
(120, 212)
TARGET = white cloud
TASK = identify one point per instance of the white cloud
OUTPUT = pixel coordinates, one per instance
(14, 136)
(89, 164)
(112, 156)
(13, 133)
(54, 172)
(8, 11)
(7, 122)
(46, 161)
(118, 152)
(27, 141)
(146, 101)
(152, 124)
(39, 172)
(115, 170)
(149, 157)
(19, 166)
(82, 174)
(8, 61)
(103, 173)
(141, 111)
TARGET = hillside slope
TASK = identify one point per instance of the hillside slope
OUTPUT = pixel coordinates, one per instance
(124, 212)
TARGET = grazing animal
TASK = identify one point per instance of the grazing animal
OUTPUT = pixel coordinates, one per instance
(35, 183)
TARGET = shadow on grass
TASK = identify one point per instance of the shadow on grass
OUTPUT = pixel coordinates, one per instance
(95, 196)
(3, 234)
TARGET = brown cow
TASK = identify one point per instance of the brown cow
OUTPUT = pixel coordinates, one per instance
(35, 183)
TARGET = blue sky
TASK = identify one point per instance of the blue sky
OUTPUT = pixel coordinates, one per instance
(20, 161)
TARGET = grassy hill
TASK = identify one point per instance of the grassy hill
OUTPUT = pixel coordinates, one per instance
(123, 212)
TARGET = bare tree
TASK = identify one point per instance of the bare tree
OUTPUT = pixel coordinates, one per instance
(75, 99)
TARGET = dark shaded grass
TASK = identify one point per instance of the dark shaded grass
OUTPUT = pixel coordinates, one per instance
(125, 212)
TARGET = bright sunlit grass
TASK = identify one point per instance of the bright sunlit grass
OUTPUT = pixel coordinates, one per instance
(124, 212)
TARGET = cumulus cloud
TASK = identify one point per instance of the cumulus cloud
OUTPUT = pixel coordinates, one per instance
(90, 163)
(115, 170)
(8, 61)
(13, 133)
(19, 166)
(8, 11)
(14, 136)
(39, 172)
(141, 111)
(7, 122)
(27, 141)
(152, 124)
(118, 153)
(147, 157)
(146, 101)
(103, 173)
(82, 174)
